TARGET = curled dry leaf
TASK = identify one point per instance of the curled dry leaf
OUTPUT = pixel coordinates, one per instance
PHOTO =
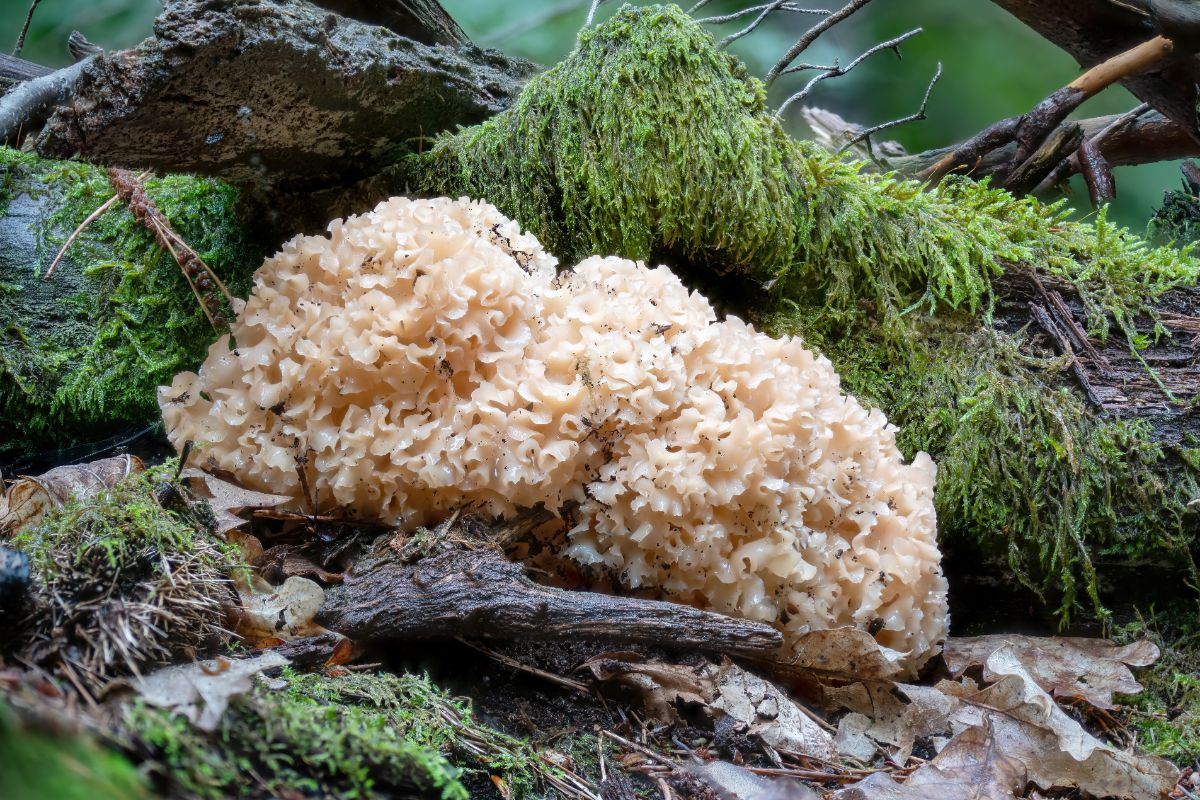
(285, 560)
(201, 691)
(760, 708)
(228, 499)
(970, 767)
(769, 714)
(661, 687)
(29, 499)
(1058, 753)
(1092, 669)
(845, 653)
(892, 715)
(284, 613)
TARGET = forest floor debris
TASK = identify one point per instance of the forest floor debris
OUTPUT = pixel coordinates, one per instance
(1002, 716)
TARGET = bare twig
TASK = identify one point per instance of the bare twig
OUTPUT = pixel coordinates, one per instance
(18, 69)
(699, 5)
(1149, 138)
(592, 12)
(203, 282)
(517, 665)
(810, 36)
(25, 27)
(745, 12)
(866, 133)
(1094, 144)
(62, 251)
(1097, 174)
(836, 71)
(763, 14)
(29, 103)
(1030, 130)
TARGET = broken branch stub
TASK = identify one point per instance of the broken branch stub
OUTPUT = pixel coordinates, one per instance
(479, 594)
(278, 96)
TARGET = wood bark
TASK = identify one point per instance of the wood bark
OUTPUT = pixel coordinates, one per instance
(480, 594)
(1093, 31)
(1114, 379)
(282, 96)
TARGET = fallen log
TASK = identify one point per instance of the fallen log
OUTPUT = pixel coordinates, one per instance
(479, 594)
(282, 96)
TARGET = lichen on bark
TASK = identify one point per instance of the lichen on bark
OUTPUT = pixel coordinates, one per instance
(82, 352)
(649, 142)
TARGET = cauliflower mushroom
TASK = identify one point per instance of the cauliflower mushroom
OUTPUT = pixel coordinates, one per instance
(427, 356)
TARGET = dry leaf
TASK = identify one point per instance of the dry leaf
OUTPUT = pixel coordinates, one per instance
(660, 687)
(893, 715)
(1092, 669)
(228, 499)
(201, 691)
(847, 653)
(731, 782)
(284, 613)
(770, 714)
(760, 707)
(971, 767)
(1030, 727)
(29, 499)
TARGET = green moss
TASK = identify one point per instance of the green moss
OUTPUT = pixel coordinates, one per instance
(360, 735)
(1166, 715)
(36, 764)
(82, 353)
(124, 583)
(650, 143)
(1177, 220)
(119, 526)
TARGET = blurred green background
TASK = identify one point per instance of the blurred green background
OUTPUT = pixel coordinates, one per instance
(993, 66)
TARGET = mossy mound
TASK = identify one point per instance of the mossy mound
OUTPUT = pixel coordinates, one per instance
(1166, 715)
(82, 353)
(359, 735)
(651, 143)
(1177, 220)
(127, 580)
(38, 762)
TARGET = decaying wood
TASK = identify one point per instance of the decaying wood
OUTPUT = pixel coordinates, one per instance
(1149, 138)
(18, 69)
(1113, 377)
(480, 594)
(1093, 31)
(281, 96)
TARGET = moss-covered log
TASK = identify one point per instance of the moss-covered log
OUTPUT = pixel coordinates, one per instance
(82, 352)
(1047, 365)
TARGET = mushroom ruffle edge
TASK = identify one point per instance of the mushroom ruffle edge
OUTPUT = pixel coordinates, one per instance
(426, 356)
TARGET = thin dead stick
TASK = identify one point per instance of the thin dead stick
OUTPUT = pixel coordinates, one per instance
(62, 251)
(653, 756)
(919, 115)
(766, 11)
(30, 103)
(745, 12)
(837, 71)
(810, 36)
(517, 665)
(1096, 141)
(25, 27)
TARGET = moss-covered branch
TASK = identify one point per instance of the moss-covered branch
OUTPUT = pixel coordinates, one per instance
(649, 142)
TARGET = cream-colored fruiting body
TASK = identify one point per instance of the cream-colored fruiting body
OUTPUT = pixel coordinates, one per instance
(426, 356)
